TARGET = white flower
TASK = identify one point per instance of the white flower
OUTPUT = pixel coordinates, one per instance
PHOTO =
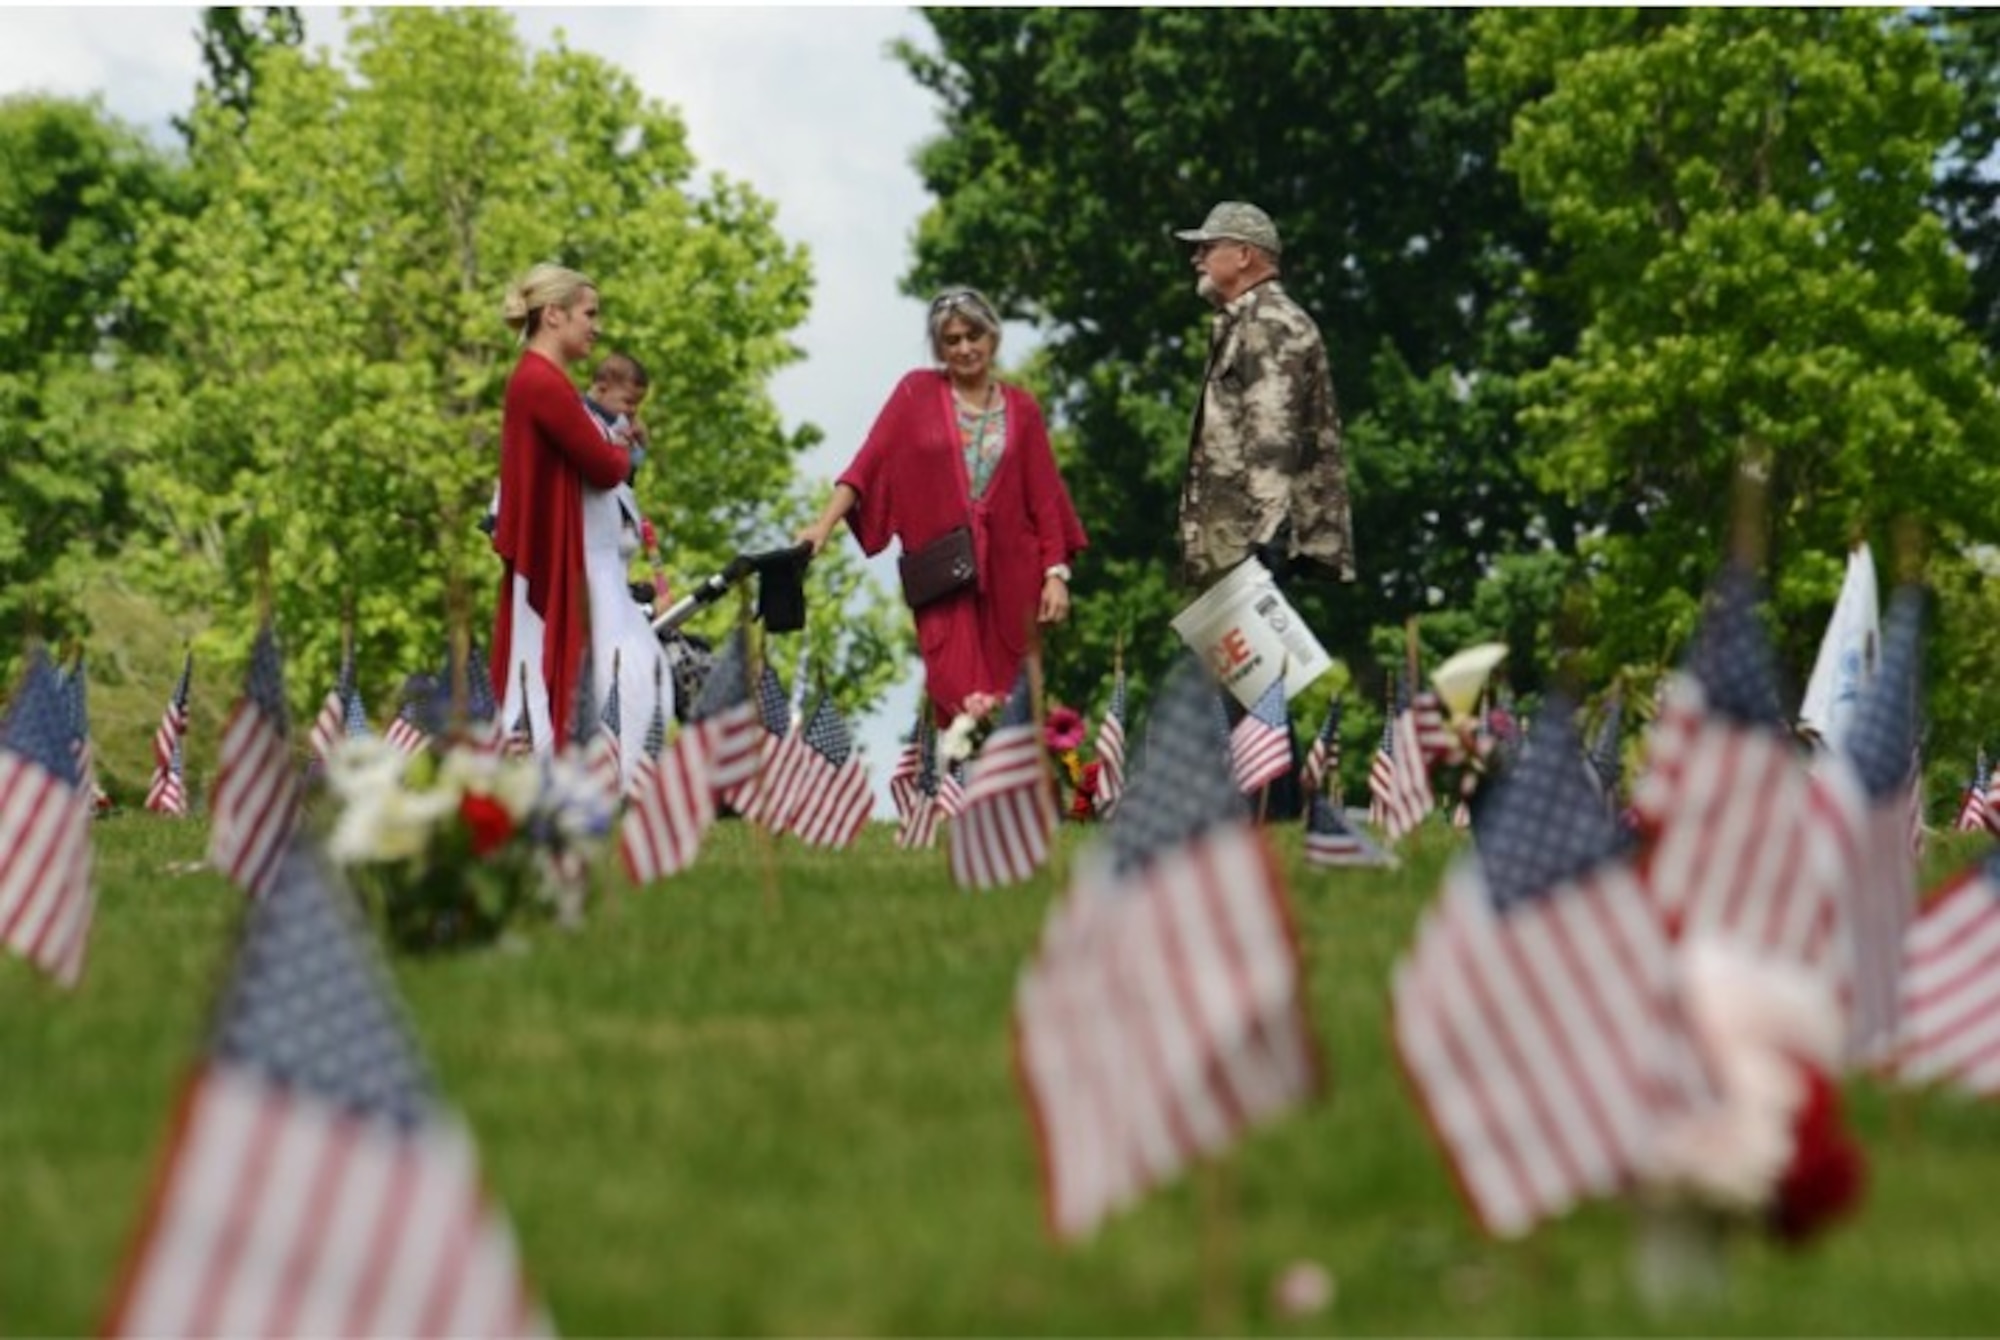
(364, 766)
(388, 823)
(1756, 1019)
(955, 745)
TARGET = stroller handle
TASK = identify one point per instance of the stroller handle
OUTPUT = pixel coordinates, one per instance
(711, 589)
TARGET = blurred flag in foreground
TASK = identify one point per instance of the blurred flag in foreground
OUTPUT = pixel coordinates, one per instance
(46, 899)
(1949, 1026)
(1163, 1013)
(1536, 1013)
(314, 1184)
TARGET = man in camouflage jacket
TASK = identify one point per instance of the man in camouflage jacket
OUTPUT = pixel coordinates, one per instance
(1265, 474)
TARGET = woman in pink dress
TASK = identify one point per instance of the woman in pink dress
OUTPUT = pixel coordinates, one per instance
(954, 446)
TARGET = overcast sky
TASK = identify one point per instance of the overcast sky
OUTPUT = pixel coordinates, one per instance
(803, 103)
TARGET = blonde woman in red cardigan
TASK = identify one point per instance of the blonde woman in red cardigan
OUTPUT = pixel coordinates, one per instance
(952, 447)
(551, 452)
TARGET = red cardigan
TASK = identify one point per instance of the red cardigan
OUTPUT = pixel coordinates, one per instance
(910, 475)
(550, 446)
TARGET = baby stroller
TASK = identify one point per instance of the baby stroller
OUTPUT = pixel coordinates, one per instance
(781, 604)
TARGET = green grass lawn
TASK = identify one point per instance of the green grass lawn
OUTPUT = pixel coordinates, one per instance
(773, 1096)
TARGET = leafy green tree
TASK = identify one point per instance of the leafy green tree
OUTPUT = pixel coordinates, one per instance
(1075, 140)
(231, 39)
(325, 425)
(74, 184)
(1741, 196)
(1967, 187)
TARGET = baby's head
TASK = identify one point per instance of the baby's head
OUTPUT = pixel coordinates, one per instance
(620, 384)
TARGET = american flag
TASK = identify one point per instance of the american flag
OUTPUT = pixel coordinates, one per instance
(77, 695)
(605, 749)
(1535, 1014)
(1110, 748)
(1323, 757)
(757, 799)
(1260, 745)
(827, 791)
(655, 742)
(1736, 824)
(951, 789)
(330, 725)
(1437, 741)
(673, 804)
(256, 804)
(168, 792)
(1879, 751)
(46, 898)
(520, 739)
(1002, 833)
(410, 731)
(1163, 1013)
(482, 726)
(1399, 783)
(903, 776)
(1972, 813)
(922, 811)
(727, 720)
(1331, 840)
(1949, 1007)
(314, 1183)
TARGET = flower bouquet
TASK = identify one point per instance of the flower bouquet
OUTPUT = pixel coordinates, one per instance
(1076, 780)
(452, 846)
(1772, 1153)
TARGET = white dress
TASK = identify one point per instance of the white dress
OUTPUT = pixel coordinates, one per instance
(620, 634)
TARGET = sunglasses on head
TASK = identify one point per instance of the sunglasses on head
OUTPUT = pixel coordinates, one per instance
(961, 297)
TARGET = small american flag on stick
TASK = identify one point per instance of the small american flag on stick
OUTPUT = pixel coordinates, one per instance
(1260, 744)
(46, 899)
(1002, 834)
(1111, 746)
(256, 804)
(167, 793)
(1948, 1030)
(1163, 1013)
(314, 1183)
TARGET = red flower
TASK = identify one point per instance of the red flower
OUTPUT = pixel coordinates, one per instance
(1825, 1176)
(1083, 801)
(1063, 729)
(487, 820)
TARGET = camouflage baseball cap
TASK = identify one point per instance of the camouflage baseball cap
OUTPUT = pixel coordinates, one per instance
(1238, 221)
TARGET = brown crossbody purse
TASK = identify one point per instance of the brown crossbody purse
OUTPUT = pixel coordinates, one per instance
(938, 569)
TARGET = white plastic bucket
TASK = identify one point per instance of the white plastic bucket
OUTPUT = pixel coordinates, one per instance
(1248, 633)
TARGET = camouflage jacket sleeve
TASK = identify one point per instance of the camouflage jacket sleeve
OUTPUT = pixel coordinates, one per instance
(1265, 466)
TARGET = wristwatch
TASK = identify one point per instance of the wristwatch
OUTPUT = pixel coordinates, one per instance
(1060, 572)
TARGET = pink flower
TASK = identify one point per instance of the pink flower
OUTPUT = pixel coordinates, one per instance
(1062, 731)
(980, 704)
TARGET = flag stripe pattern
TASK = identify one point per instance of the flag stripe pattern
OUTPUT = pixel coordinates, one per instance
(1332, 841)
(167, 793)
(1948, 1029)
(1972, 816)
(1260, 745)
(256, 803)
(314, 1185)
(1110, 749)
(1535, 1013)
(726, 718)
(1738, 828)
(1001, 836)
(1879, 748)
(1322, 761)
(824, 792)
(1162, 1014)
(922, 811)
(671, 809)
(47, 902)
